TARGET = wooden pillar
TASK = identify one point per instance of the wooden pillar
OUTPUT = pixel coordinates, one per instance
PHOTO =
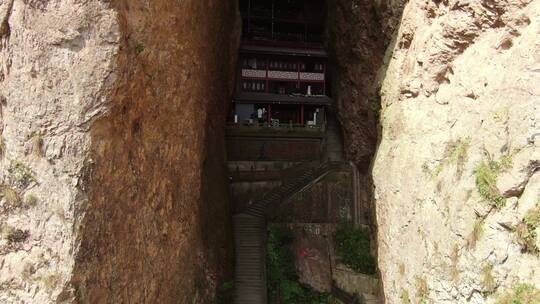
(302, 115)
(298, 62)
(269, 114)
(324, 79)
(267, 90)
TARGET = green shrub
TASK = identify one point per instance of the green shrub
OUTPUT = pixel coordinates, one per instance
(486, 183)
(532, 217)
(21, 174)
(283, 285)
(520, 294)
(527, 238)
(353, 249)
(526, 230)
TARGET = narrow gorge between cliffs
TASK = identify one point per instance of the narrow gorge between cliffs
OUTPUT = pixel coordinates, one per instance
(301, 134)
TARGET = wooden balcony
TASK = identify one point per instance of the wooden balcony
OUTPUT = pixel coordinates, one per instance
(248, 97)
(284, 49)
(283, 130)
(282, 75)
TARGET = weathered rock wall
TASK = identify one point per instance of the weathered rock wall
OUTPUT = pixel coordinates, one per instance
(356, 45)
(356, 40)
(112, 119)
(456, 171)
(56, 68)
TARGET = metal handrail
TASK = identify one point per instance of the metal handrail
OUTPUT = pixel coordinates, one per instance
(318, 171)
(283, 128)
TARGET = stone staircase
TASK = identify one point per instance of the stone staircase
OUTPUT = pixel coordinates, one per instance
(250, 250)
(250, 232)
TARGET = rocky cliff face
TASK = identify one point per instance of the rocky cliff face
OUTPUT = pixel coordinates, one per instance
(357, 46)
(456, 176)
(112, 173)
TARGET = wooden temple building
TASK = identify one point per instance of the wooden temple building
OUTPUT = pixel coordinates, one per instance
(279, 108)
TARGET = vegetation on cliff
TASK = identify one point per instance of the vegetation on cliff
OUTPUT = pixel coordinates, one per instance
(520, 294)
(353, 248)
(283, 285)
(486, 180)
(527, 230)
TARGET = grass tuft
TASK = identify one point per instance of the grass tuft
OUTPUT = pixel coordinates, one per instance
(458, 154)
(51, 281)
(30, 201)
(2, 147)
(454, 259)
(527, 238)
(11, 196)
(476, 234)
(22, 174)
(488, 281)
(405, 298)
(455, 154)
(422, 290)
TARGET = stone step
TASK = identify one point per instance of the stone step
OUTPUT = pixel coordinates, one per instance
(253, 229)
(246, 240)
(250, 279)
(247, 261)
(257, 227)
(249, 269)
(256, 213)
